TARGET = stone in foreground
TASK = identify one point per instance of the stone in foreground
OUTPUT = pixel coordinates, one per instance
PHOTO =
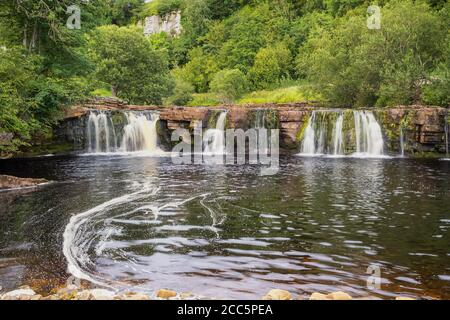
(339, 296)
(318, 296)
(166, 294)
(277, 294)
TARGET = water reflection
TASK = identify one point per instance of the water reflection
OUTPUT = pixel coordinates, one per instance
(227, 232)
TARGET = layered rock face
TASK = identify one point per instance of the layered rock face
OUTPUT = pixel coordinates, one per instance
(170, 24)
(421, 129)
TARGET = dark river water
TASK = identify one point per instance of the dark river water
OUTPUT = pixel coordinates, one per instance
(141, 224)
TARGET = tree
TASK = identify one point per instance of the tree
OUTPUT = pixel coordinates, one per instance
(355, 66)
(199, 71)
(272, 65)
(125, 11)
(182, 93)
(229, 85)
(125, 60)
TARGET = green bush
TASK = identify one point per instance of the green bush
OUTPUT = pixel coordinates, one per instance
(125, 60)
(182, 93)
(272, 65)
(354, 66)
(229, 85)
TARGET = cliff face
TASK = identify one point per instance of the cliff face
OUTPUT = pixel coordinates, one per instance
(421, 128)
(171, 24)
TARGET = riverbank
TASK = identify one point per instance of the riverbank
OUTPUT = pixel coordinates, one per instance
(26, 293)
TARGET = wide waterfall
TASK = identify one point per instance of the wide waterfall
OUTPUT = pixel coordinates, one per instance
(138, 134)
(214, 140)
(101, 135)
(335, 133)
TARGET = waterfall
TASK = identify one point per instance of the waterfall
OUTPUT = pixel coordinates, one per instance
(214, 139)
(101, 134)
(140, 133)
(367, 132)
(369, 139)
(337, 136)
(402, 142)
(447, 152)
(309, 143)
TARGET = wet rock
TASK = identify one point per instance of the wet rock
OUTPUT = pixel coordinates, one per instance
(277, 294)
(132, 296)
(10, 182)
(19, 294)
(84, 295)
(318, 296)
(186, 295)
(166, 294)
(102, 294)
(339, 296)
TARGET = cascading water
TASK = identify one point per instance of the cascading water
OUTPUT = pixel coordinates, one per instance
(447, 152)
(368, 138)
(214, 139)
(140, 133)
(101, 134)
(338, 136)
(402, 143)
(309, 141)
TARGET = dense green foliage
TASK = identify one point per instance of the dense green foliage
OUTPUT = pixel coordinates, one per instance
(282, 50)
(229, 84)
(125, 60)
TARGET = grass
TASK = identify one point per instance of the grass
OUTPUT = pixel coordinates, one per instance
(281, 95)
(204, 100)
(102, 92)
(290, 94)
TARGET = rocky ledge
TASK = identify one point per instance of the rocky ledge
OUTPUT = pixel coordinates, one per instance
(26, 293)
(10, 182)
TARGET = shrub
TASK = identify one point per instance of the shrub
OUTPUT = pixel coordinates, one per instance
(229, 85)
(182, 94)
(272, 65)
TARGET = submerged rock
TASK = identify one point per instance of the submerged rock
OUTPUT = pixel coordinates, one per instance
(10, 182)
(277, 294)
